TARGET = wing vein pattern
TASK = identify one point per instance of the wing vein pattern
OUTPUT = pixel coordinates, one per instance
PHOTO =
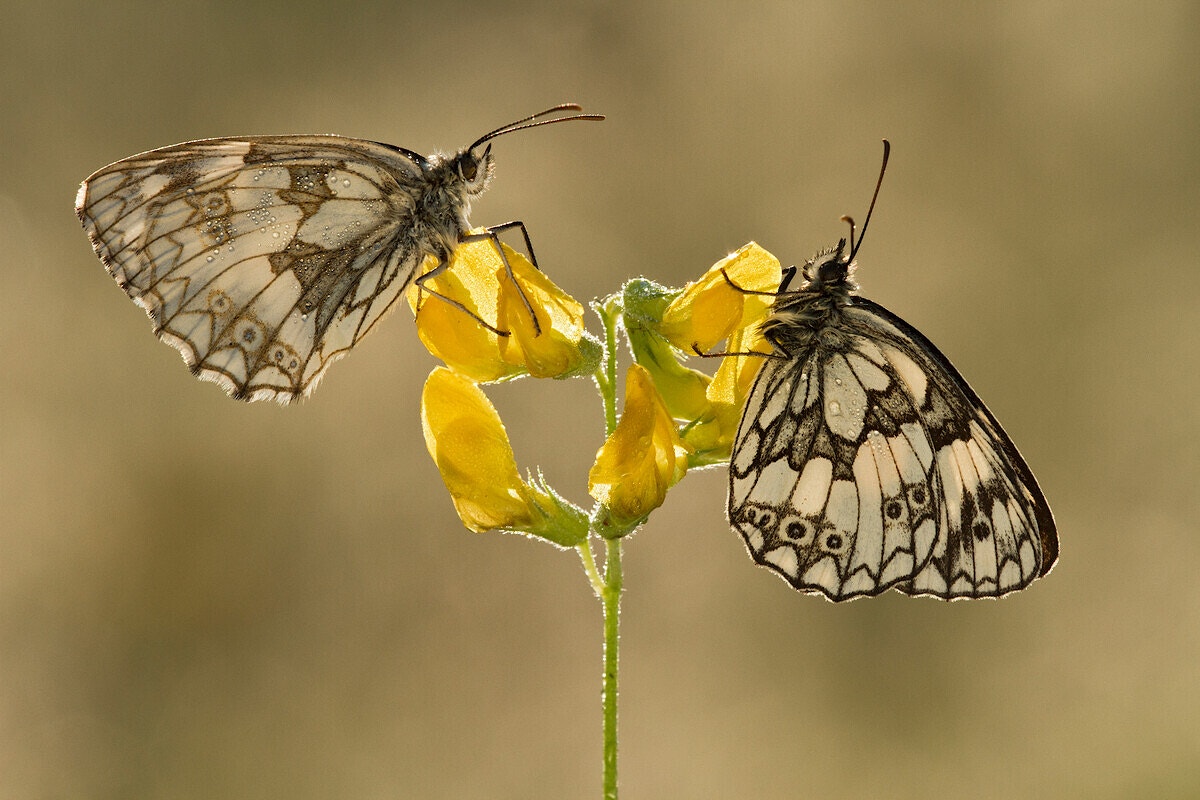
(262, 260)
(865, 462)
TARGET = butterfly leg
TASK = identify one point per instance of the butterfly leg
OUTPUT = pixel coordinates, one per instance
(419, 282)
(788, 274)
(781, 355)
(492, 234)
(516, 223)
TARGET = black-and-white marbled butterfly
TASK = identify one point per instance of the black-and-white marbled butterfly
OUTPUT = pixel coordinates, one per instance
(864, 461)
(263, 259)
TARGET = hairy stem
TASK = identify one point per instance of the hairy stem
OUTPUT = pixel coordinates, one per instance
(612, 614)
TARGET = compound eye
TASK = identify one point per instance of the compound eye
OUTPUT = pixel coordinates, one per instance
(832, 271)
(468, 167)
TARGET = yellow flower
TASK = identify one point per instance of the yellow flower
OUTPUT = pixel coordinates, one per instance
(641, 306)
(709, 310)
(468, 443)
(642, 458)
(451, 334)
(556, 346)
(477, 279)
(705, 313)
(730, 386)
(683, 389)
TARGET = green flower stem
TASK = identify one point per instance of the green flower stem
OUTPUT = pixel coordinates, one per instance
(612, 615)
(608, 586)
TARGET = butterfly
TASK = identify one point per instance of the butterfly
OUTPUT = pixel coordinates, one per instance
(863, 461)
(263, 259)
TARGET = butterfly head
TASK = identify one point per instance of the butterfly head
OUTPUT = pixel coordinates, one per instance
(465, 175)
(452, 182)
(830, 272)
(443, 198)
(473, 170)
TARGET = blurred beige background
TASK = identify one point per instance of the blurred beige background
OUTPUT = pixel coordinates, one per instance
(200, 598)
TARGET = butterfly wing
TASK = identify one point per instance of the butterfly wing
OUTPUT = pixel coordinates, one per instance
(261, 259)
(869, 463)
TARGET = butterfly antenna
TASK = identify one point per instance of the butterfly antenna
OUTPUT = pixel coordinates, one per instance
(849, 220)
(528, 122)
(887, 149)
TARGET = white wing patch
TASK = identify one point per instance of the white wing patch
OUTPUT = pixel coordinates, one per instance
(868, 464)
(261, 260)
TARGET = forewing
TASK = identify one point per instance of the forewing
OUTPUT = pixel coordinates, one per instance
(261, 259)
(868, 463)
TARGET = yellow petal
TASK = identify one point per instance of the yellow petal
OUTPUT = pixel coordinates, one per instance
(453, 335)
(642, 458)
(477, 279)
(551, 349)
(710, 309)
(467, 441)
(731, 385)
